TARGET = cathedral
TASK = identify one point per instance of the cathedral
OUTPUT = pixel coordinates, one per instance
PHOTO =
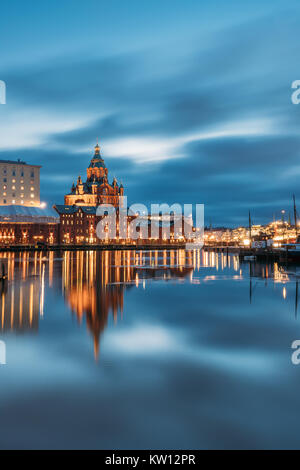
(78, 216)
(96, 189)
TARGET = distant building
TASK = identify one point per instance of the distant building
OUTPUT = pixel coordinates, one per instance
(19, 183)
(96, 189)
(28, 225)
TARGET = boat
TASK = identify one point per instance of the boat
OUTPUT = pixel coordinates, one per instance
(290, 251)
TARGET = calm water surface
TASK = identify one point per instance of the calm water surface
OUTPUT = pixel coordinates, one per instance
(153, 349)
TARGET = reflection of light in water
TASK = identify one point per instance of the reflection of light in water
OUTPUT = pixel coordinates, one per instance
(12, 304)
(279, 274)
(31, 304)
(21, 307)
(142, 339)
(2, 310)
(51, 256)
(42, 296)
(284, 292)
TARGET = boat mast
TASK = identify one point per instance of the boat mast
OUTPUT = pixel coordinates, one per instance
(250, 229)
(295, 214)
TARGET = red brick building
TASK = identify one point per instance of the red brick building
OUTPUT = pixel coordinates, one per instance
(28, 233)
(27, 226)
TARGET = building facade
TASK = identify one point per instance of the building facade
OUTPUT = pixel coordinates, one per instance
(19, 183)
(29, 233)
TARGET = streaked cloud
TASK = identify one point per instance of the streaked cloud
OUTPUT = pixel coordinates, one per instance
(199, 111)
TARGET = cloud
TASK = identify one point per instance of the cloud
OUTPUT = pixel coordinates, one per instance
(210, 121)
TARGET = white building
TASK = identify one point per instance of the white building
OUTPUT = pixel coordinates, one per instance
(19, 184)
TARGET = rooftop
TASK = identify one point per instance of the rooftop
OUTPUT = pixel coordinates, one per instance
(64, 209)
(23, 213)
(18, 162)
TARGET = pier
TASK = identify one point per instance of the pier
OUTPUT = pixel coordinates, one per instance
(280, 254)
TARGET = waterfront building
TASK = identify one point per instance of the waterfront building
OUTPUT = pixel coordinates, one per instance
(23, 221)
(78, 225)
(19, 183)
(28, 226)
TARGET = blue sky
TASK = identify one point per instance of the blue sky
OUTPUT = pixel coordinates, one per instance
(191, 100)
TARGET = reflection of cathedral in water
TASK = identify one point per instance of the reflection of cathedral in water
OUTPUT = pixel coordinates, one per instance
(94, 282)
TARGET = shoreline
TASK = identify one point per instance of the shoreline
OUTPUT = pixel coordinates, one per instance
(108, 247)
(243, 253)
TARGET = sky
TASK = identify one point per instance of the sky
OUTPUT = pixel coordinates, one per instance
(190, 100)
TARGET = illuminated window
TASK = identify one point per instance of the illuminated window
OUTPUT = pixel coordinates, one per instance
(31, 195)
(5, 187)
(13, 201)
(13, 187)
(22, 195)
(32, 188)
(4, 194)
(22, 188)
(22, 202)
